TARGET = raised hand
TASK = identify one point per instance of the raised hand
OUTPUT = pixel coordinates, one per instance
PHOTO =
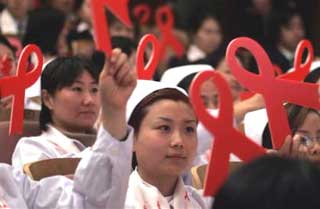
(116, 83)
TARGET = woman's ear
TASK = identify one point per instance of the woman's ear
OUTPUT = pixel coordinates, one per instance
(47, 99)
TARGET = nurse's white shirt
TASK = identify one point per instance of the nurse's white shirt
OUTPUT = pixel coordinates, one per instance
(50, 144)
(100, 180)
(143, 195)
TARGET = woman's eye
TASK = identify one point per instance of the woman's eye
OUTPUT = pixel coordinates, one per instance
(94, 90)
(190, 129)
(76, 89)
(164, 128)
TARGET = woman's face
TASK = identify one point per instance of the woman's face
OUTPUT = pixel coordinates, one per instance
(209, 37)
(166, 142)
(310, 129)
(75, 108)
(235, 87)
(293, 33)
(209, 94)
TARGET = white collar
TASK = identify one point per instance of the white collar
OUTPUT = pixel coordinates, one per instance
(195, 53)
(286, 53)
(148, 196)
(56, 137)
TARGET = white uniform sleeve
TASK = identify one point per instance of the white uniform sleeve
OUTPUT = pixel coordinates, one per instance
(28, 150)
(100, 181)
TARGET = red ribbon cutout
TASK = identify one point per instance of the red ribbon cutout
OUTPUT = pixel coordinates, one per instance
(226, 138)
(146, 73)
(16, 85)
(5, 65)
(275, 91)
(165, 27)
(301, 70)
(119, 8)
(143, 13)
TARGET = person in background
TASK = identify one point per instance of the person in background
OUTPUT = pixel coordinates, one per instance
(65, 6)
(14, 18)
(285, 30)
(117, 28)
(81, 44)
(207, 38)
(83, 11)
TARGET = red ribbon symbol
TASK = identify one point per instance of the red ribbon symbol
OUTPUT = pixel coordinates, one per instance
(301, 70)
(119, 8)
(226, 138)
(165, 22)
(146, 73)
(16, 85)
(275, 91)
(143, 13)
(5, 65)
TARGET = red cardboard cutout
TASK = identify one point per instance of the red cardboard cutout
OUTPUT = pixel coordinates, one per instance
(146, 73)
(5, 65)
(143, 13)
(16, 85)
(227, 139)
(301, 70)
(165, 23)
(275, 91)
(119, 8)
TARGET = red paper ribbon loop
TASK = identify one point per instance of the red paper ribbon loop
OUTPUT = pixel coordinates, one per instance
(16, 85)
(275, 91)
(165, 22)
(101, 31)
(147, 72)
(143, 13)
(227, 139)
(301, 70)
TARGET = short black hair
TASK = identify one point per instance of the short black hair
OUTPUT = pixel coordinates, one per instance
(271, 182)
(59, 73)
(43, 29)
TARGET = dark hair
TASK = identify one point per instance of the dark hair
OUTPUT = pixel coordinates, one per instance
(141, 110)
(271, 182)
(313, 76)
(43, 29)
(76, 36)
(126, 45)
(198, 19)
(59, 73)
(276, 21)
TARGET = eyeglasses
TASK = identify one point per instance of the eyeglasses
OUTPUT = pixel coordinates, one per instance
(309, 141)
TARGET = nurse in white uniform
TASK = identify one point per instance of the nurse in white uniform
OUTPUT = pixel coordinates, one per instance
(101, 178)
